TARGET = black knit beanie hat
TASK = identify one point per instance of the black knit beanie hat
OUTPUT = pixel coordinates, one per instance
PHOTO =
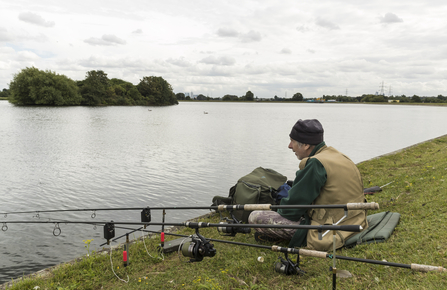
(307, 132)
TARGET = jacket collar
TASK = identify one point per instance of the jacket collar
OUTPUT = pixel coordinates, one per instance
(318, 148)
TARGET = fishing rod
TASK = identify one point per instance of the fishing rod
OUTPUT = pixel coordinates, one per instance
(374, 189)
(247, 207)
(200, 246)
(196, 225)
(319, 254)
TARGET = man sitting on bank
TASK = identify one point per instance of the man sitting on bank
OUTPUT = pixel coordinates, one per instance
(325, 176)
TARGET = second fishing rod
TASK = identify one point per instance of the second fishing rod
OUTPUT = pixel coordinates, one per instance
(304, 252)
(246, 207)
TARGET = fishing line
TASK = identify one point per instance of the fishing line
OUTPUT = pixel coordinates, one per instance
(160, 252)
(181, 246)
(111, 263)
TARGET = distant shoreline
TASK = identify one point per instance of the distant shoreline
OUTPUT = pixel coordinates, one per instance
(305, 102)
(279, 102)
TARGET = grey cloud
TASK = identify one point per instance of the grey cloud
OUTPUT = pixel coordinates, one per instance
(35, 19)
(303, 28)
(390, 18)
(138, 31)
(327, 24)
(4, 36)
(286, 51)
(220, 71)
(105, 40)
(179, 62)
(251, 36)
(254, 69)
(26, 56)
(113, 39)
(123, 65)
(223, 60)
(94, 61)
(39, 38)
(227, 32)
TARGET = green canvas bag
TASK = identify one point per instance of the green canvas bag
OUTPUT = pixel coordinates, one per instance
(380, 227)
(258, 187)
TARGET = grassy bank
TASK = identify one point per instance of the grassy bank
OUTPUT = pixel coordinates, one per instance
(403, 104)
(418, 193)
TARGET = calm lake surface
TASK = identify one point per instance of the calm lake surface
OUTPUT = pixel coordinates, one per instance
(108, 157)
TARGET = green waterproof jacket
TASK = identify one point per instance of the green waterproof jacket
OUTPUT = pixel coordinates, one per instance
(305, 189)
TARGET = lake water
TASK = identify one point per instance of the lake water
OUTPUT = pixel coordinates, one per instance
(104, 157)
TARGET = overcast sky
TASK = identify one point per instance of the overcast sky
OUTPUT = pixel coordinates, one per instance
(229, 47)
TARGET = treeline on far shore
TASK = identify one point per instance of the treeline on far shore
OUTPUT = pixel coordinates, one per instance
(32, 86)
(381, 99)
(298, 97)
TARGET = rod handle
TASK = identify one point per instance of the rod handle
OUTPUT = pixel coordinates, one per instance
(245, 207)
(427, 268)
(363, 205)
(257, 207)
(312, 253)
(303, 252)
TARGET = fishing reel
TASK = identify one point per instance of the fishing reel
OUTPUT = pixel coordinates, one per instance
(286, 266)
(198, 248)
(232, 231)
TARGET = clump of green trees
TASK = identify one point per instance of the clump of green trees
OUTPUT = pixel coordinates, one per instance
(32, 86)
(35, 87)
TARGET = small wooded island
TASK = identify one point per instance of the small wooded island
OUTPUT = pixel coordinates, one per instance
(32, 86)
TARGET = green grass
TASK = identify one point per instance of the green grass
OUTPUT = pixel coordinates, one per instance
(418, 193)
(403, 103)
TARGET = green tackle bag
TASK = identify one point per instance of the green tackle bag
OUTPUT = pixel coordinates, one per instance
(380, 227)
(258, 187)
